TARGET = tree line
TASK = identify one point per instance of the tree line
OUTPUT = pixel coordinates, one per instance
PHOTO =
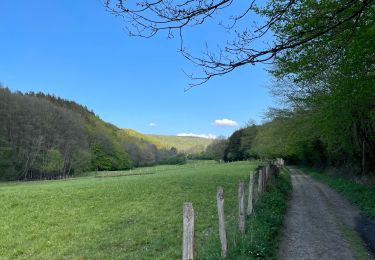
(327, 88)
(45, 137)
(324, 78)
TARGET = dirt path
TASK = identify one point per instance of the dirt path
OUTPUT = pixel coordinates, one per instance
(320, 224)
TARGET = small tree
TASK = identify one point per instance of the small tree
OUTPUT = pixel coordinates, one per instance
(54, 163)
(216, 150)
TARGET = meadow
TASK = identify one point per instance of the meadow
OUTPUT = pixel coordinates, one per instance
(109, 216)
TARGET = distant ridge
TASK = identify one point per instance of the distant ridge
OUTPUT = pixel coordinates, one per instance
(186, 144)
(144, 137)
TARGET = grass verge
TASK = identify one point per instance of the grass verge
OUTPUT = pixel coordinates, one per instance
(361, 195)
(263, 228)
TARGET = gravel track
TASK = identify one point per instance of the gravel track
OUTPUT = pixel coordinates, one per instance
(316, 221)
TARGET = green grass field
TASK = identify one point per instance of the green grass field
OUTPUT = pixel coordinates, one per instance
(119, 217)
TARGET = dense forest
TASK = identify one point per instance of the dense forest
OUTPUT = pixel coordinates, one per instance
(327, 91)
(44, 137)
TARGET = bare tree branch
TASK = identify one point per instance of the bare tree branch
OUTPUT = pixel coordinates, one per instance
(146, 18)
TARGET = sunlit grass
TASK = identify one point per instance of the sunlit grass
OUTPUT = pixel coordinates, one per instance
(128, 217)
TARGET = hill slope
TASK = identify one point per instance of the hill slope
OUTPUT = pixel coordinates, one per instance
(46, 137)
(184, 144)
(144, 137)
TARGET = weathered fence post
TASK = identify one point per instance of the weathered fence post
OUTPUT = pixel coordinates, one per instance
(188, 232)
(220, 212)
(269, 170)
(264, 180)
(250, 197)
(241, 209)
(265, 177)
(260, 181)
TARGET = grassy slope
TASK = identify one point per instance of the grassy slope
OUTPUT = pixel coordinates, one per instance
(183, 143)
(134, 217)
(144, 137)
(361, 195)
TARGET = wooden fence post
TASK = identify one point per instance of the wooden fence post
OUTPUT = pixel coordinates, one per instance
(278, 162)
(260, 181)
(250, 197)
(188, 232)
(241, 209)
(265, 176)
(220, 212)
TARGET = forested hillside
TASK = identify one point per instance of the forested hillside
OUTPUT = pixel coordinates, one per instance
(42, 136)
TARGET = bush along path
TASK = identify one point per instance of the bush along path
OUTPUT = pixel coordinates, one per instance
(320, 223)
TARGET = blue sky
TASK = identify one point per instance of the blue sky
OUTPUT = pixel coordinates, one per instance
(78, 51)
